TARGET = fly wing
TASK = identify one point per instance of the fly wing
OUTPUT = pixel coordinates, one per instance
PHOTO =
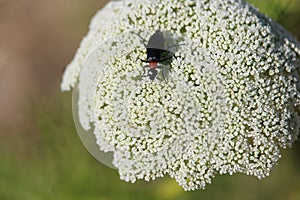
(156, 41)
(155, 46)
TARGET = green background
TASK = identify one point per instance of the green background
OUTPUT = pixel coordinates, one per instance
(41, 155)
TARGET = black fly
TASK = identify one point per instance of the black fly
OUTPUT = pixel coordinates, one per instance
(156, 53)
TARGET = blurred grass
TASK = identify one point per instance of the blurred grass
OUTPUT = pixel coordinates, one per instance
(46, 160)
(55, 165)
(284, 12)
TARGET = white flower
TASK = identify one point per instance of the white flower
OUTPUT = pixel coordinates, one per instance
(230, 102)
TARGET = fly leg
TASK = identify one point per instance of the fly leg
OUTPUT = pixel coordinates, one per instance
(143, 75)
(164, 71)
(143, 40)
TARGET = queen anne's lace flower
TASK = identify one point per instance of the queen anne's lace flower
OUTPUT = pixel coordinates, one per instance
(230, 102)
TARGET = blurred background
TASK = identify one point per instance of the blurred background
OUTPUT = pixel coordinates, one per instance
(41, 156)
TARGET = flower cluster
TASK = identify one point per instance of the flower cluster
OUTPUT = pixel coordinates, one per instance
(230, 103)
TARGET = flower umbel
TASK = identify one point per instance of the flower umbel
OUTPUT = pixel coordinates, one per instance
(230, 103)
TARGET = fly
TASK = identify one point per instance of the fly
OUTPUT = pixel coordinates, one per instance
(156, 52)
